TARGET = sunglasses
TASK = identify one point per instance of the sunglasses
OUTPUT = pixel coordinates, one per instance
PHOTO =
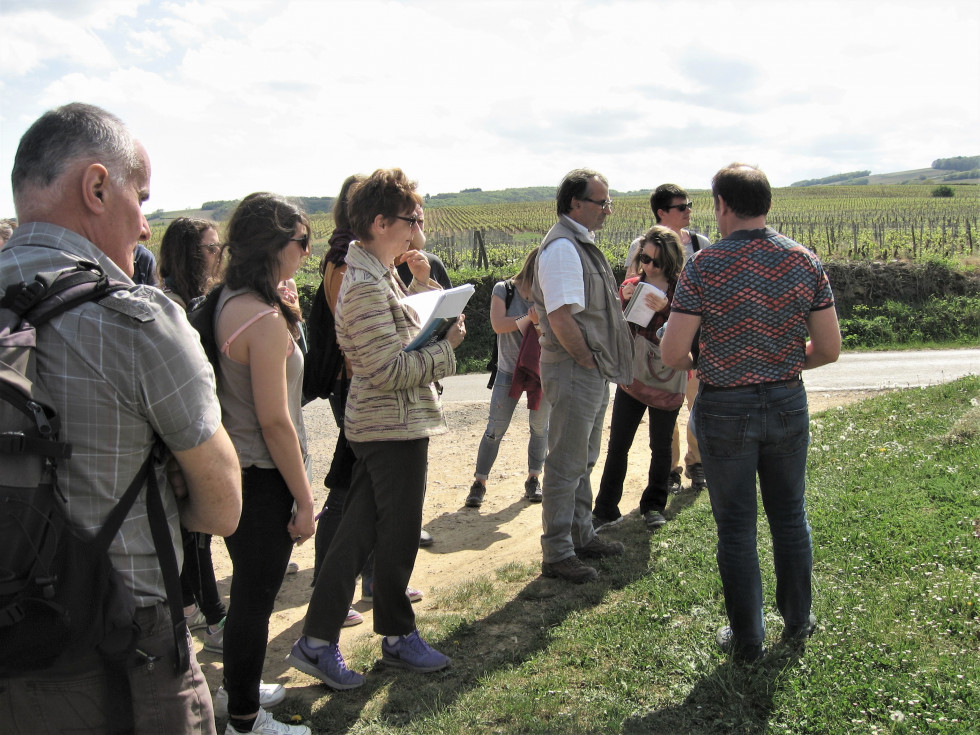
(681, 207)
(647, 260)
(304, 242)
(414, 220)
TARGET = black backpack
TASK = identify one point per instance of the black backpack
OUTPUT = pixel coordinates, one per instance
(324, 358)
(200, 314)
(492, 364)
(60, 597)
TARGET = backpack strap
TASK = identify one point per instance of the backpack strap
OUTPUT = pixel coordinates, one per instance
(162, 542)
(509, 286)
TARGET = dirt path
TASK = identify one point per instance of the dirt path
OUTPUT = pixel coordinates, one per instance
(468, 542)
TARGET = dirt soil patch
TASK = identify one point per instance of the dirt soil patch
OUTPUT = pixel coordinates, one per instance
(469, 542)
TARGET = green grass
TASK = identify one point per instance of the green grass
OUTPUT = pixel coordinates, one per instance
(894, 501)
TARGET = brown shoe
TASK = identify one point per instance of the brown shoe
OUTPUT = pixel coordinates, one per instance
(599, 547)
(571, 570)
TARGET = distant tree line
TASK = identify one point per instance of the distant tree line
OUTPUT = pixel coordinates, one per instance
(854, 178)
(958, 163)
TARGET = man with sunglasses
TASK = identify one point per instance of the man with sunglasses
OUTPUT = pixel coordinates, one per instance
(751, 415)
(672, 206)
(585, 343)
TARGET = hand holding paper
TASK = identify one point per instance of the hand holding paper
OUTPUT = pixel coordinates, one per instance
(437, 311)
(638, 310)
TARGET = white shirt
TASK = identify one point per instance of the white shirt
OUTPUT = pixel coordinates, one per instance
(560, 272)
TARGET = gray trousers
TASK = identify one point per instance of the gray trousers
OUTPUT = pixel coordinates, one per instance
(578, 397)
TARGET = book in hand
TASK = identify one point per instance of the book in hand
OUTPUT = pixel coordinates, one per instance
(437, 311)
(636, 310)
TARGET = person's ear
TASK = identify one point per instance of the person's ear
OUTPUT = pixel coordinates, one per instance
(380, 222)
(95, 180)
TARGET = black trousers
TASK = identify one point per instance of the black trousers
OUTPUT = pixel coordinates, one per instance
(259, 552)
(384, 513)
(626, 417)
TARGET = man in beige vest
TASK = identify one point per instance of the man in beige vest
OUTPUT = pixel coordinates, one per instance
(585, 343)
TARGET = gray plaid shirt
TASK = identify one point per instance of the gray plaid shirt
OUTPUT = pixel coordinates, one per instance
(116, 381)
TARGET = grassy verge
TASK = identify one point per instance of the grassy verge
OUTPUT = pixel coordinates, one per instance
(894, 501)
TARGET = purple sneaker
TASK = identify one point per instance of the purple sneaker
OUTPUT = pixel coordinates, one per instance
(325, 663)
(411, 652)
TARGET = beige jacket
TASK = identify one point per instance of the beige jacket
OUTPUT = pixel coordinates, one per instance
(392, 397)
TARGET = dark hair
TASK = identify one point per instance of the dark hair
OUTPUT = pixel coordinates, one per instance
(575, 185)
(671, 251)
(341, 222)
(387, 192)
(182, 265)
(71, 133)
(663, 196)
(744, 188)
(259, 228)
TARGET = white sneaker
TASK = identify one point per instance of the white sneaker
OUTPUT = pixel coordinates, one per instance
(265, 725)
(292, 568)
(214, 641)
(196, 620)
(269, 696)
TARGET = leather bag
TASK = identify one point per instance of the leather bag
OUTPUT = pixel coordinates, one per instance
(655, 384)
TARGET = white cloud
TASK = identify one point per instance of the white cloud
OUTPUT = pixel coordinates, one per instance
(293, 96)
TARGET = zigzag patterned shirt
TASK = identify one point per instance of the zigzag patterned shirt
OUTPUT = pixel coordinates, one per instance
(753, 291)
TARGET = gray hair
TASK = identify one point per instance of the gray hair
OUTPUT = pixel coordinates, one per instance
(69, 134)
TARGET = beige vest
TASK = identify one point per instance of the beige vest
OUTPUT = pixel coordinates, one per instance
(601, 321)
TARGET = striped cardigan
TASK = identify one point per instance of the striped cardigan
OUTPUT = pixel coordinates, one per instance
(391, 397)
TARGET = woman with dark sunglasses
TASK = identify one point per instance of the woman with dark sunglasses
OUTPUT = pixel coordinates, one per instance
(260, 380)
(659, 262)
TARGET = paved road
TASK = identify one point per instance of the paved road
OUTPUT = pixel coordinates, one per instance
(853, 371)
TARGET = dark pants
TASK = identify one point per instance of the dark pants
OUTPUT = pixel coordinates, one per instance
(197, 582)
(626, 416)
(163, 702)
(337, 481)
(259, 552)
(384, 514)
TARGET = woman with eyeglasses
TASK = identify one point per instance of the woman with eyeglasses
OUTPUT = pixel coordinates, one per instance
(190, 255)
(260, 380)
(659, 262)
(392, 409)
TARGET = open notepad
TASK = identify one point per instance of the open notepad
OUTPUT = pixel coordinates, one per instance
(437, 312)
(636, 310)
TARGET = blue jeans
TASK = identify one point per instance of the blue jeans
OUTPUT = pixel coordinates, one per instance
(501, 412)
(578, 398)
(741, 433)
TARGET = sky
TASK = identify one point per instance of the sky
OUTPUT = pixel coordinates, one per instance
(291, 96)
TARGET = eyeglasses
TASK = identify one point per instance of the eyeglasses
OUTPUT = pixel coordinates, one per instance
(212, 247)
(681, 207)
(606, 204)
(414, 220)
(647, 260)
(304, 242)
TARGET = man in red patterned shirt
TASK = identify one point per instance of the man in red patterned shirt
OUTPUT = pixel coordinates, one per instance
(757, 296)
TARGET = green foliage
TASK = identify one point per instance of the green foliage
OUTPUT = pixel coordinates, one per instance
(943, 191)
(892, 499)
(958, 163)
(947, 320)
(848, 178)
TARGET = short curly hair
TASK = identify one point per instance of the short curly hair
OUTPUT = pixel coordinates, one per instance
(388, 192)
